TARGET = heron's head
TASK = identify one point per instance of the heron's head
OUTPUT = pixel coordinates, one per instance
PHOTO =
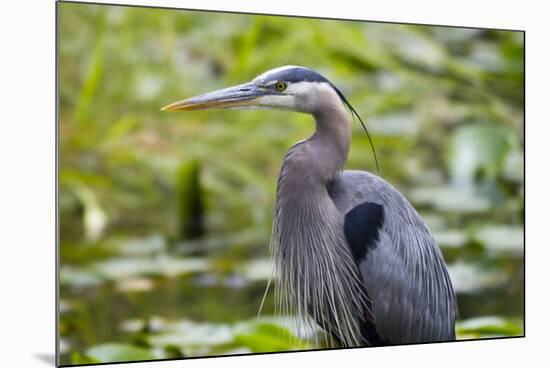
(292, 88)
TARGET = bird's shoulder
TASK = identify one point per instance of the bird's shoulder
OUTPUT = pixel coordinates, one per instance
(372, 206)
(389, 243)
(352, 188)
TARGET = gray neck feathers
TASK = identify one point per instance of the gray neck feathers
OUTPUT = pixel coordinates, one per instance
(317, 274)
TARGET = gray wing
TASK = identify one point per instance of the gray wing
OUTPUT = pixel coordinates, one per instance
(402, 268)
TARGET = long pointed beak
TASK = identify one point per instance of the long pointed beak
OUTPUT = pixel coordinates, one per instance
(233, 97)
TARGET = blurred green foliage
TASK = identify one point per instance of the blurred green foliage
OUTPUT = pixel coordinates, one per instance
(166, 218)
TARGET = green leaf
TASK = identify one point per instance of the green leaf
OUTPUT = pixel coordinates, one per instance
(269, 337)
(489, 326)
(77, 358)
(92, 81)
(478, 151)
(116, 352)
(190, 201)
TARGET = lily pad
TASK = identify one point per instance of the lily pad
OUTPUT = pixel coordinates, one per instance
(301, 329)
(152, 324)
(116, 352)
(470, 278)
(450, 199)
(64, 346)
(258, 269)
(119, 268)
(79, 278)
(143, 246)
(187, 334)
(488, 326)
(237, 351)
(136, 284)
(433, 221)
(270, 337)
(501, 239)
(450, 238)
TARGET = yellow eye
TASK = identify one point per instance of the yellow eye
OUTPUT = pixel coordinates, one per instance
(281, 86)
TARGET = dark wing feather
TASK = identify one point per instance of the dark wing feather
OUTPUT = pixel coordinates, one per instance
(404, 274)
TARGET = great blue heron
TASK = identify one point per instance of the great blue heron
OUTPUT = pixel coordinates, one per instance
(350, 251)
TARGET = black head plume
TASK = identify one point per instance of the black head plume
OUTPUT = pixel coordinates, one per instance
(354, 112)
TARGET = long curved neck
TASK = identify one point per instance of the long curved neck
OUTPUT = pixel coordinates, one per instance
(322, 156)
(331, 141)
(310, 164)
(310, 251)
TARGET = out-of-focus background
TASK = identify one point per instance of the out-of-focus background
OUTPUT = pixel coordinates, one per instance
(165, 218)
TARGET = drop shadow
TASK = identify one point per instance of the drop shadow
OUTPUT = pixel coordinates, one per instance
(46, 358)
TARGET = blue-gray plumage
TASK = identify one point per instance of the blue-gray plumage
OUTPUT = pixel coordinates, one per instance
(402, 269)
(350, 251)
